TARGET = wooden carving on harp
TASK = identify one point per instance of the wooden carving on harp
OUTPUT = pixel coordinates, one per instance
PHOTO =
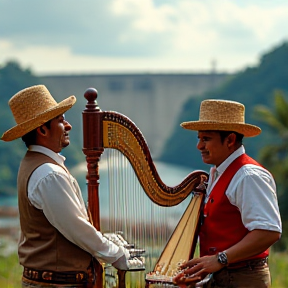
(107, 130)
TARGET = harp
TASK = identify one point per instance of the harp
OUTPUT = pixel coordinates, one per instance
(108, 130)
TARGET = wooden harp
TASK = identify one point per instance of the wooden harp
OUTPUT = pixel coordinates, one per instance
(108, 129)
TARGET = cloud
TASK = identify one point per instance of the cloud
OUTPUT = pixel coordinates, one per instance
(95, 35)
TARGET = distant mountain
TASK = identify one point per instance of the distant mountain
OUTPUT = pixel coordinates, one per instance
(254, 85)
(145, 98)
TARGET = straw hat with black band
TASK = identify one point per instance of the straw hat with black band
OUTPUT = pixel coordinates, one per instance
(222, 115)
(31, 108)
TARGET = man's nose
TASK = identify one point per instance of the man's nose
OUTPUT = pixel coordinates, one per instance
(200, 145)
(68, 126)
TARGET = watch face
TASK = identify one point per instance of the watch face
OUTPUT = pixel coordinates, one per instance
(222, 258)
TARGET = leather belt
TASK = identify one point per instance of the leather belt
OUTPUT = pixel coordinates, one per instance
(249, 263)
(56, 277)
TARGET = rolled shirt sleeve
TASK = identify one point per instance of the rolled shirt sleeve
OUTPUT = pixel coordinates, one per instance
(253, 191)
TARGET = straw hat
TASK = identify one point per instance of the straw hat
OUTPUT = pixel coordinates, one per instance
(31, 108)
(222, 115)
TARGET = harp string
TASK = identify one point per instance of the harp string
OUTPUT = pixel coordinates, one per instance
(144, 223)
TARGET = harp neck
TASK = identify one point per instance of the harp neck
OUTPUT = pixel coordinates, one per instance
(107, 129)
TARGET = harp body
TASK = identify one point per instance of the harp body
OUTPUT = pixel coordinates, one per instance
(111, 130)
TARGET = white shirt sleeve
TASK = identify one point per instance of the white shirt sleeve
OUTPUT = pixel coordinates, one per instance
(253, 191)
(58, 195)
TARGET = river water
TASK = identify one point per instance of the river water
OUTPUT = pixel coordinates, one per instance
(171, 175)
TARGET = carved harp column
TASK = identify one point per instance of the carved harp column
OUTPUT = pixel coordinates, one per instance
(93, 148)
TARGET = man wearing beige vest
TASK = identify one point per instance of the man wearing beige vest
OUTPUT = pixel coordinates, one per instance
(57, 242)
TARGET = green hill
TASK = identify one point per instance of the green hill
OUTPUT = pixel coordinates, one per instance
(13, 78)
(253, 86)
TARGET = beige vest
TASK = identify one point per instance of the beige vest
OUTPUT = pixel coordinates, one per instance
(42, 246)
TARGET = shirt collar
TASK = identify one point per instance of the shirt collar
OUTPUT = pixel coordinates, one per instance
(48, 152)
(223, 166)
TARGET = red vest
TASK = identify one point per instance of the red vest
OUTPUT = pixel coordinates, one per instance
(222, 226)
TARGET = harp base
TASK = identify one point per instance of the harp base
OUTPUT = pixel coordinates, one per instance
(159, 284)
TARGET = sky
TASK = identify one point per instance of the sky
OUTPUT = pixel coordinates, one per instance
(140, 36)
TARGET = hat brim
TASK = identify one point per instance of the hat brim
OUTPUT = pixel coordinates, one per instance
(247, 130)
(27, 126)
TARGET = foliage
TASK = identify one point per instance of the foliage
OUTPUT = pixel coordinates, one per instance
(253, 86)
(13, 78)
(278, 263)
(275, 155)
(10, 271)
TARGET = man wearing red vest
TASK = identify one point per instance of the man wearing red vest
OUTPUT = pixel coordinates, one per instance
(241, 217)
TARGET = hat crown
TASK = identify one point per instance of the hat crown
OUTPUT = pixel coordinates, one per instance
(222, 115)
(30, 102)
(32, 107)
(222, 111)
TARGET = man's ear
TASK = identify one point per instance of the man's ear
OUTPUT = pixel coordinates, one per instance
(41, 130)
(231, 140)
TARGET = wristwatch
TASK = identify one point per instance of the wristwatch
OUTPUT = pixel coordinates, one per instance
(222, 258)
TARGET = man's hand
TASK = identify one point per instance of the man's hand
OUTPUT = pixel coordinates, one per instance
(183, 280)
(129, 264)
(121, 263)
(197, 269)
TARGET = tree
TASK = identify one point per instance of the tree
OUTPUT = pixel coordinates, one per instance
(275, 156)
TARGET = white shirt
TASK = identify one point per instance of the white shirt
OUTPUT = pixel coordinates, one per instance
(253, 190)
(57, 193)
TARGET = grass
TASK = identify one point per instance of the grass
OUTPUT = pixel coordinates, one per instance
(10, 270)
(278, 263)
